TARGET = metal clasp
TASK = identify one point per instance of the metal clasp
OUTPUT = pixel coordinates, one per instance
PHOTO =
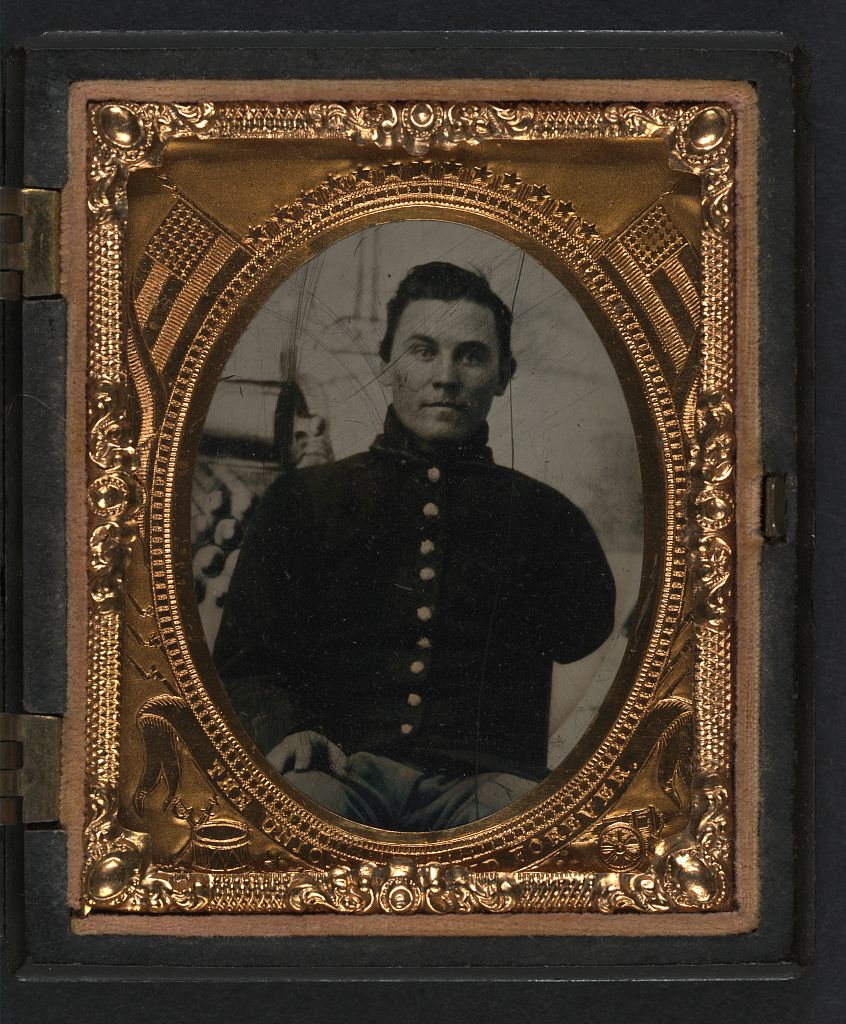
(773, 507)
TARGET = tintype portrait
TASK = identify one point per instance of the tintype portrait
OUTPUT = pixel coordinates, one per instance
(412, 522)
(417, 615)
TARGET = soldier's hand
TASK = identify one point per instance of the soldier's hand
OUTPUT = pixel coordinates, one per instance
(308, 751)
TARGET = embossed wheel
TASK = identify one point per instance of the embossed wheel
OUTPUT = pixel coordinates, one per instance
(621, 847)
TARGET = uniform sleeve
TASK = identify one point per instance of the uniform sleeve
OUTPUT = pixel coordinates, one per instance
(256, 651)
(578, 614)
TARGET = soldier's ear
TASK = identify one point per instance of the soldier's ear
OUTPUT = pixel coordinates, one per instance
(386, 377)
(505, 374)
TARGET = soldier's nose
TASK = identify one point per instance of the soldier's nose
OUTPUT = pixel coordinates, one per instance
(446, 374)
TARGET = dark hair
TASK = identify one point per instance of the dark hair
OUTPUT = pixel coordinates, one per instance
(447, 282)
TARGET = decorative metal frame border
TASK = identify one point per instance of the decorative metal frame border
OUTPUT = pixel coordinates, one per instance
(690, 872)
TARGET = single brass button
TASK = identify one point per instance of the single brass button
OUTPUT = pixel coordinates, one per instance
(424, 641)
(426, 547)
(430, 509)
(434, 474)
(424, 614)
(417, 667)
(415, 700)
(427, 573)
(405, 728)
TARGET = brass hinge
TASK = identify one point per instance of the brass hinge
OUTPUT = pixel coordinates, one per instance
(29, 768)
(29, 243)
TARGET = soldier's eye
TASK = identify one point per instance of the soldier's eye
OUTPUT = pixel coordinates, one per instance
(474, 356)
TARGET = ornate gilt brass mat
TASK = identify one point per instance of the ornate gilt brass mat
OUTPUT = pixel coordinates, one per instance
(369, 621)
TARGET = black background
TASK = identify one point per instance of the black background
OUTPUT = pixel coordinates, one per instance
(800, 980)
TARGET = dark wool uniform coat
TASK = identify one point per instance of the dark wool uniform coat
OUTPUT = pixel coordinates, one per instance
(411, 606)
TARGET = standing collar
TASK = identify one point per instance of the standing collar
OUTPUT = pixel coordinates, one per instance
(397, 441)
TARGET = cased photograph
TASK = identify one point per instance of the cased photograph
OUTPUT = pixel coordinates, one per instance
(419, 577)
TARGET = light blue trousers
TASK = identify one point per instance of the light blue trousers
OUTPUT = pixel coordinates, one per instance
(386, 794)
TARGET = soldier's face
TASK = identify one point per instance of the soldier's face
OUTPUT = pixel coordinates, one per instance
(445, 369)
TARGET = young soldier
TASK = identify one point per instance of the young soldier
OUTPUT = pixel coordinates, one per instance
(390, 630)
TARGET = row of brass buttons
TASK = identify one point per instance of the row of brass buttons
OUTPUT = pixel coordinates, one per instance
(424, 613)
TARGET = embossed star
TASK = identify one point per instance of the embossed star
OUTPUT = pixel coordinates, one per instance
(511, 180)
(540, 193)
(564, 208)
